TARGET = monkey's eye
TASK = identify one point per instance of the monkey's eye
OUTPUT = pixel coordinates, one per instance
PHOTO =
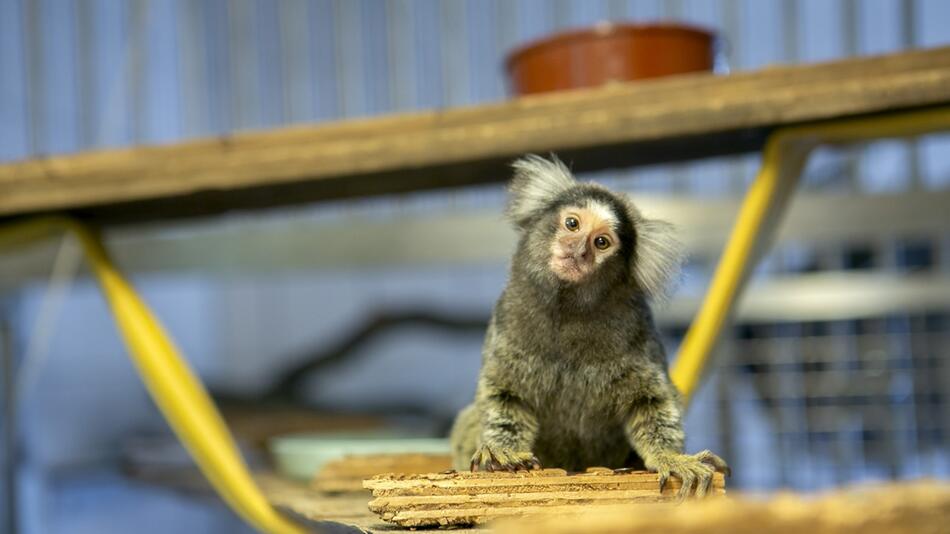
(572, 224)
(601, 242)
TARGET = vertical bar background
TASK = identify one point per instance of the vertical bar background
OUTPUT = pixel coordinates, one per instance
(101, 73)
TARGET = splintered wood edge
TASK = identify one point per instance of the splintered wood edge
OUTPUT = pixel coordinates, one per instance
(484, 514)
(394, 484)
(460, 475)
(550, 498)
(452, 475)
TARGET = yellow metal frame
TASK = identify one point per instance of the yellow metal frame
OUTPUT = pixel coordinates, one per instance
(785, 155)
(190, 412)
(176, 390)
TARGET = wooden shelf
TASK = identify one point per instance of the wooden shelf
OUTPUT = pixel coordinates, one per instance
(622, 125)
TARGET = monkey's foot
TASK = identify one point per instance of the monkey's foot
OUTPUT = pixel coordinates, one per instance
(495, 459)
(694, 470)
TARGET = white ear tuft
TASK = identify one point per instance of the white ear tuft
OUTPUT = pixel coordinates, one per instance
(537, 181)
(659, 255)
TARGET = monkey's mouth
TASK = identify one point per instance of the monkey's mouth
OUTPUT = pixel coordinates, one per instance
(568, 268)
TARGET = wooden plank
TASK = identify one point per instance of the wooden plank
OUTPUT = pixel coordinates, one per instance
(452, 499)
(517, 482)
(627, 124)
(432, 502)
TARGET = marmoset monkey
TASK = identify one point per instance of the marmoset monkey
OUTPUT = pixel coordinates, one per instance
(573, 372)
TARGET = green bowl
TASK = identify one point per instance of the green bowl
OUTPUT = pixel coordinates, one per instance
(300, 456)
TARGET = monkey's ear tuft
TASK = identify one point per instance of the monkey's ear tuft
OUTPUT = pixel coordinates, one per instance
(658, 258)
(537, 181)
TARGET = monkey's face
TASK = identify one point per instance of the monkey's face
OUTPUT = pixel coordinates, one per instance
(586, 237)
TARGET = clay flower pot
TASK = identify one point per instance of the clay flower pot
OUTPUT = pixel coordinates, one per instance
(609, 52)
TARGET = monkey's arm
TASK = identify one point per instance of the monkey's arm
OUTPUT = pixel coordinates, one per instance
(508, 429)
(655, 431)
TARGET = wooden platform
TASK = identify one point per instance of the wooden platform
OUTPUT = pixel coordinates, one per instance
(465, 500)
(627, 124)
(914, 507)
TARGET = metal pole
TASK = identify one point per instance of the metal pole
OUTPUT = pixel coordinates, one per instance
(9, 428)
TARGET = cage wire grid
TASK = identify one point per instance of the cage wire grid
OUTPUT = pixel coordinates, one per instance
(815, 404)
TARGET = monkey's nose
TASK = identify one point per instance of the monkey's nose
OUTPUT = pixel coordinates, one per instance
(581, 252)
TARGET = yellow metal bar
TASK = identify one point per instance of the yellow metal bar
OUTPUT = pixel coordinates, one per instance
(764, 194)
(174, 387)
(784, 157)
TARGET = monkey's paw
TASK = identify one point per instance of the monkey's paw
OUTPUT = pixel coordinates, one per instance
(497, 459)
(694, 470)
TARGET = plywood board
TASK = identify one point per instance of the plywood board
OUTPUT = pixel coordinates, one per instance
(462, 499)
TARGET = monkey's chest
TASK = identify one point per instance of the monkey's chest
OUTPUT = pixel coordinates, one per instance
(580, 415)
(579, 426)
(576, 398)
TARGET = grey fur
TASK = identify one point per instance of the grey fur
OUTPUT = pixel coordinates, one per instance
(660, 255)
(535, 183)
(574, 374)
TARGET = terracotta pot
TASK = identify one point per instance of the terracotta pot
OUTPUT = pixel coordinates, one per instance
(608, 52)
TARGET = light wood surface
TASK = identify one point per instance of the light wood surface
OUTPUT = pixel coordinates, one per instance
(620, 125)
(463, 500)
(918, 507)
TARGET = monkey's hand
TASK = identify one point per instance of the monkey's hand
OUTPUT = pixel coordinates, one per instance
(694, 470)
(500, 459)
